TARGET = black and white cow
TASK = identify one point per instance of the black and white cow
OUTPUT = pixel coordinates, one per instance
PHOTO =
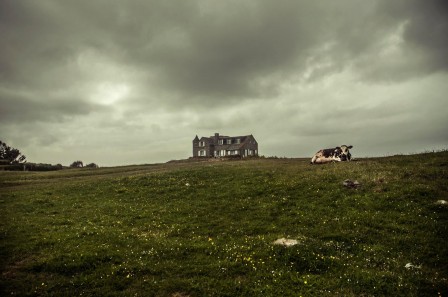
(337, 154)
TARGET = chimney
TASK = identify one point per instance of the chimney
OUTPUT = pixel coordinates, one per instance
(216, 138)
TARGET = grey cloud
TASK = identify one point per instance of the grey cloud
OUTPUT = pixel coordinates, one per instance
(23, 108)
(248, 51)
(424, 42)
(427, 25)
(228, 53)
(206, 54)
(428, 31)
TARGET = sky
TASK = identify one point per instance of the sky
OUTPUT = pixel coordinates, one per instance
(133, 82)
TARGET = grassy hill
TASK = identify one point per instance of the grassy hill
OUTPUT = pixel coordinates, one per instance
(207, 228)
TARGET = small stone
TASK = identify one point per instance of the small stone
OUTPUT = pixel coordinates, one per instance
(351, 184)
(410, 265)
(285, 242)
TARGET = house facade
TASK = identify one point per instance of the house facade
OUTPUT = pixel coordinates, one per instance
(221, 146)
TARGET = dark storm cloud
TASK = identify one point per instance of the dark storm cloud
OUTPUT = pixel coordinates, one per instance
(217, 50)
(23, 108)
(228, 51)
(416, 48)
(248, 49)
(426, 28)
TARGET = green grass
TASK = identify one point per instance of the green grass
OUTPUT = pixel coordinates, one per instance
(206, 229)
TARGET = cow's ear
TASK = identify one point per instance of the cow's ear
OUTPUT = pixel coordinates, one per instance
(350, 147)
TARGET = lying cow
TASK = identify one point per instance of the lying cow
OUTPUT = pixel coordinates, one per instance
(331, 155)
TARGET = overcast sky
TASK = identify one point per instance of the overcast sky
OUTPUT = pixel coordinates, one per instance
(133, 82)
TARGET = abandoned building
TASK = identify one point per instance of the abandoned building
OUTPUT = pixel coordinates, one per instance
(222, 146)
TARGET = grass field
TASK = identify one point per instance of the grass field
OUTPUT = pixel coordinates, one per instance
(207, 228)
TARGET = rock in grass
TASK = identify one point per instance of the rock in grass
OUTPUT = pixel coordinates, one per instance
(410, 265)
(285, 242)
(442, 203)
(351, 184)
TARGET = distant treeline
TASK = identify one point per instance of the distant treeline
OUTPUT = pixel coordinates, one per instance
(33, 167)
(12, 159)
(44, 167)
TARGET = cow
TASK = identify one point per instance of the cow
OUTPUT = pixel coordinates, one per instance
(337, 154)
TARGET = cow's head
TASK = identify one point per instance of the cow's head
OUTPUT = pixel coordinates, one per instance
(343, 152)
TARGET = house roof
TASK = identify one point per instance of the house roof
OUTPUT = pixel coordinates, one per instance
(233, 146)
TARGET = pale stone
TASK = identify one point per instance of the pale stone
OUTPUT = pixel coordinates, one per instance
(285, 242)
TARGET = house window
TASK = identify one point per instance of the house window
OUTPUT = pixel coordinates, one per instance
(202, 153)
(223, 153)
(229, 141)
(201, 143)
(238, 140)
(221, 141)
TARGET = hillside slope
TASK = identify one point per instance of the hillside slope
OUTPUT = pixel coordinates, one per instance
(207, 228)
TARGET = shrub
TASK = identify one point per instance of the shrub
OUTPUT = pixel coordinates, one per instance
(76, 164)
(92, 165)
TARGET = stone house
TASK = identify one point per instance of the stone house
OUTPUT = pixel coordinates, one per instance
(222, 146)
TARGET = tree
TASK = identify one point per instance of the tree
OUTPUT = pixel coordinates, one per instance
(76, 164)
(10, 155)
(92, 165)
